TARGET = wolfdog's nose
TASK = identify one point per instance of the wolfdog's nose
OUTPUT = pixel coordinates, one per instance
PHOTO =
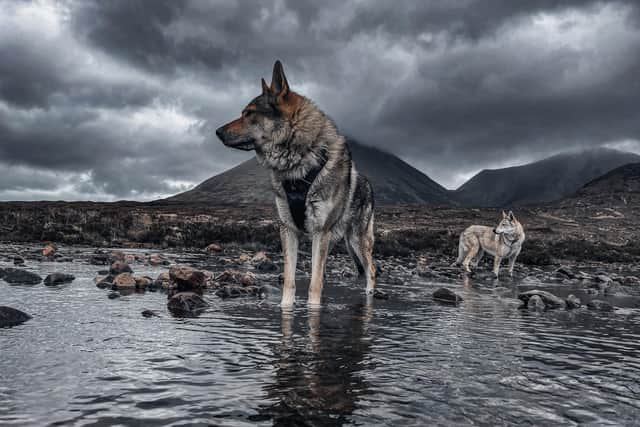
(219, 132)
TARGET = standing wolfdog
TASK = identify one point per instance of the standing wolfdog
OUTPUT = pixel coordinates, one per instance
(504, 241)
(317, 187)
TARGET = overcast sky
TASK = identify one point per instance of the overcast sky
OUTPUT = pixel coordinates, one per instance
(114, 100)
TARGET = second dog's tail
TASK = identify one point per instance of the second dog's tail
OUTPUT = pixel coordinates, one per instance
(461, 251)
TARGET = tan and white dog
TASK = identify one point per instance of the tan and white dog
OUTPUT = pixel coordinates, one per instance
(504, 241)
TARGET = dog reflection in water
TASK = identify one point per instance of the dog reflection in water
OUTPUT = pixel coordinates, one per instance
(318, 376)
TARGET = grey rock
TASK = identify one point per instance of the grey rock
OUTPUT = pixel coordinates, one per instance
(58, 279)
(186, 304)
(12, 317)
(16, 276)
(119, 267)
(536, 303)
(599, 305)
(113, 295)
(573, 302)
(446, 296)
(549, 299)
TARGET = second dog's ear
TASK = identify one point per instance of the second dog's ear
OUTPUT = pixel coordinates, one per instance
(504, 215)
(265, 88)
(279, 84)
(511, 216)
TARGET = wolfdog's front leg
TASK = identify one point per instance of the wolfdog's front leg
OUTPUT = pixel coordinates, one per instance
(290, 252)
(319, 253)
(496, 265)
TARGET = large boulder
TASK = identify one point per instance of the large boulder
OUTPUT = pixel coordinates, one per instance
(12, 317)
(446, 296)
(186, 304)
(16, 276)
(549, 299)
(58, 279)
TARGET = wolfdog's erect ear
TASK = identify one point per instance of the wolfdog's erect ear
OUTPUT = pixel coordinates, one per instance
(265, 88)
(504, 215)
(279, 85)
(511, 216)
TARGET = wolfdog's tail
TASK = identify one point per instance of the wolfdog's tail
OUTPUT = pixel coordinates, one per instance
(461, 251)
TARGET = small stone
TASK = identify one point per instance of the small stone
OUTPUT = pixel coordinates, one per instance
(566, 271)
(99, 259)
(143, 282)
(186, 304)
(573, 302)
(120, 267)
(18, 260)
(550, 300)
(603, 278)
(156, 260)
(244, 258)
(536, 303)
(49, 250)
(58, 279)
(124, 281)
(447, 296)
(260, 257)
(267, 266)
(113, 295)
(378, 294)
(149, 313)
(213, 247)
(599, 305)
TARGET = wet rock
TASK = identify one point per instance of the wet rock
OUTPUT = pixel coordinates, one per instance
(186, 304)
(378, 294)
(235, 291)
(124, 281)
(631, 280)
(235, 277)
(129, 258)
(573, 302)
(187, 279)
(213, 248)
(116, 256)
(120, 267)
(549, 299)
(157, 260)
(18, 260)
(49, 250)
(446, 296)
(113, 295)
(58, 279)
(267, 291)
(603, 278)
(99, 258)
(12, 317)
(259, 257)
(267, 266)
(163, 282)
(64, 259)
(599, 305)
(16, 276)
(535, 303)
(566, 271)
(244, 258)
(143, 282)
(149, 313)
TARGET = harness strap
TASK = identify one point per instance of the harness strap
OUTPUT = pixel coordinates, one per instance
(297, 190)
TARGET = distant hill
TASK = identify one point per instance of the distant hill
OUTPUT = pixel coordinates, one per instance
(394, 182)
(620, 186)
(540, 182)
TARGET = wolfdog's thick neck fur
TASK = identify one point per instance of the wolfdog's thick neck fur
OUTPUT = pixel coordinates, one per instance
(311, 141)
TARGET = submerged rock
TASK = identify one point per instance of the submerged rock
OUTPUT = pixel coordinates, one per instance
(378, 294)
(12, 317)
(149, 313)
(447, 296)
(16, 276)
(213, 247)
(18, 260)
(549, 299)
(599, 305)
(235, 291)
(113, 295)
(186, 304)
(58, 279)
(267, 266)
(187, 279)
(536, 303)
(573, 302)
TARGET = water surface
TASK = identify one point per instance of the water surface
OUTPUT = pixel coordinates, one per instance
(86, 360)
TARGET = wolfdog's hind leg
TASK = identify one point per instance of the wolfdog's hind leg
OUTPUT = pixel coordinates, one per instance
(353, 253)
(474, 247)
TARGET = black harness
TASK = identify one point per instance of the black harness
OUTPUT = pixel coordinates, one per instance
(297, 190)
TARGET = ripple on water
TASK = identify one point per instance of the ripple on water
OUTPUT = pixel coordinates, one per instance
(84, 359)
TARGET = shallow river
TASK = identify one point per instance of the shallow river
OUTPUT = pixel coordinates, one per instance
(86, 360)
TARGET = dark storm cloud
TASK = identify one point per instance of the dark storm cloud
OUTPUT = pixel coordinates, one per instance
(118, 99)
